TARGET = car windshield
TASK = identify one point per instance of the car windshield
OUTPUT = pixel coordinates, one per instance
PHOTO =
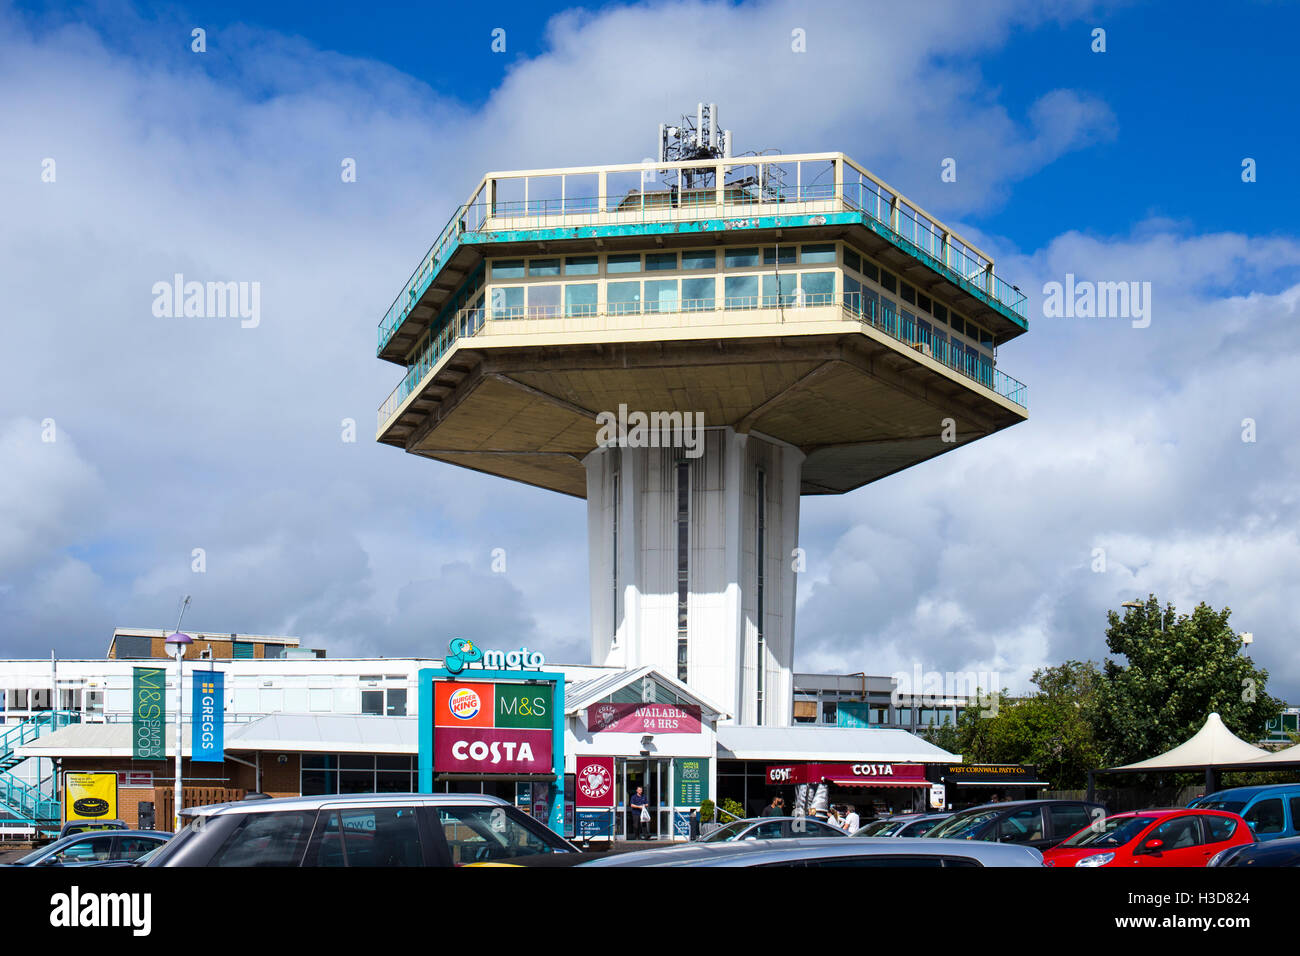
(964, 826)
(892, 827)
(1113, 832)
(1211, 803)
(728, 832)
(873, 828)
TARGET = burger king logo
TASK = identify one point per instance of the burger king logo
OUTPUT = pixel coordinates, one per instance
(465, 704)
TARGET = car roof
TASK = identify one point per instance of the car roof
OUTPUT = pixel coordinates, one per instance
(287, 804)
(1025, 803)
(751, 852)
(1252, 791)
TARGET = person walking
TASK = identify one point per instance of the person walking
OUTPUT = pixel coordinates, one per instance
(638, 816)
(851, 823)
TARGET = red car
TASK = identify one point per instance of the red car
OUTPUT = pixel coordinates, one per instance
(1176, 837)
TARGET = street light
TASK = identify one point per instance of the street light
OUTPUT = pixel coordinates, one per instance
(178, 642)
(1139, 604)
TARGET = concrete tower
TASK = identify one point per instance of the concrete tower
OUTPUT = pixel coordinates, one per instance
(690, 345)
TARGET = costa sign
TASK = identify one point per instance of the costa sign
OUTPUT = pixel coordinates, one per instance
(880, 774)
(595, 782)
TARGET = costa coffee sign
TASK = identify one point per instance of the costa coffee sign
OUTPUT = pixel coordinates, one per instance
(595, 782)
(643, 719)
(900, 773)
(482, 727)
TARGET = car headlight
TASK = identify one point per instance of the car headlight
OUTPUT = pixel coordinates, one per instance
(1097, 859)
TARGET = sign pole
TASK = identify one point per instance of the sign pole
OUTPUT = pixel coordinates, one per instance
(179, 642)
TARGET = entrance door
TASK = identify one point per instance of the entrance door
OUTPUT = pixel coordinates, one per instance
(652, 775)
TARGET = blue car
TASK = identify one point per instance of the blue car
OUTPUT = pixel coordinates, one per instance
(82, 849)
(1272, 812)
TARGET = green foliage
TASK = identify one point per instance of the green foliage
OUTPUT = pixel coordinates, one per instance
(732, 806)
(706, 810)
(1177, 671)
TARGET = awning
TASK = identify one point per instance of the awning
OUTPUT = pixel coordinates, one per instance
(872, 784)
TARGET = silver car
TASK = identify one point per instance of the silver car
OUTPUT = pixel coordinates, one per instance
(904, 825)
(772, 828)
(864, 851)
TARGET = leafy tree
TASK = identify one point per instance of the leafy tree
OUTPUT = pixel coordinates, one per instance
(1178, 670)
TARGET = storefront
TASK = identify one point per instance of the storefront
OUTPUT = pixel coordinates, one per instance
(970, 784)
(871, 788)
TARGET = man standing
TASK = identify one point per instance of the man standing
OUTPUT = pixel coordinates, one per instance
(636, 824)
(774, 809)
(851, 823)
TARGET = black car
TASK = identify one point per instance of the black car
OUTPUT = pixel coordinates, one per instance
(1283, 852)
(378, 829)
(1041, 824)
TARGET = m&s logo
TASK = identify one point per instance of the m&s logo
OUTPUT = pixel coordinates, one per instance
(465, 704)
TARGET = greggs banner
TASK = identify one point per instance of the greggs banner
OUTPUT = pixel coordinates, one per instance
(491, 728)
(209, 713)
(148, 713)
(90, 796)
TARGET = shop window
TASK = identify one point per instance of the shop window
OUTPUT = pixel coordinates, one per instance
(741, 258)
(623, 298)
(580, 300)
(396, 702)
(830, 712)
(700, 259)
(741, 292)
(623, 262)
(372, 702)
(508, 269)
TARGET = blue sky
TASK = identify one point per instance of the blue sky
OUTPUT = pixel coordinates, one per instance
(1123, 165)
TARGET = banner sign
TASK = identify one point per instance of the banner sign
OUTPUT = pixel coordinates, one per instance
(148, 713)
(863, 774)
(643, 719)
(595, 782)
(989, 773)
(90, 796)
(593, 823)
(209, 714)
(492, 728)
(691, 775)
(682, 823)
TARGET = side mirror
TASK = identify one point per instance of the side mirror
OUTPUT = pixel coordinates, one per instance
(1153, 846)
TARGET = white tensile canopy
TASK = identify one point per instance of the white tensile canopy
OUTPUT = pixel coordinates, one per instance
(1213, 746)
(1289, 756)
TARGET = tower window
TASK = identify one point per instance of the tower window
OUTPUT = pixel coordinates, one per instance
(683, 564)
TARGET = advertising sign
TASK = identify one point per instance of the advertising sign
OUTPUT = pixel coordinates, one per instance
(135, 779)
(90, 796)
(852, 713)
(593, 823)
(691, 776)
(148, 713)
(682, 823)
(643, 719)
(492, 728)
(860, 774)
(595, 782)
(938, 796)
(208, 741)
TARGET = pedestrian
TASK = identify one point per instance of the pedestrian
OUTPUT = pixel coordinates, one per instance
(639, 815)
(833, 817)
(851, 823)
(774, 809)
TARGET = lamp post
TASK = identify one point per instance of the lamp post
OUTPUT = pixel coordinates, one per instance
(1139, 605)
(178, 642)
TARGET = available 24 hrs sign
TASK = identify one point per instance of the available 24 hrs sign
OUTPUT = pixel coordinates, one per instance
(481, 727)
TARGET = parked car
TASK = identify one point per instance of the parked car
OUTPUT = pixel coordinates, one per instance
(820, 853)
(1283, 852)
(1173, 837)
(772, 828)
(1037, 823)
(1272, 812)
(82, 849)
(371, 829)
(905, 825)
(87, 826)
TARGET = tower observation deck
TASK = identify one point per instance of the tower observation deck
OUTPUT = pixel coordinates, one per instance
(570, 327)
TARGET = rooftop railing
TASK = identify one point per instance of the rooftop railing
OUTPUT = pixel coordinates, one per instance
(762, 193)
(683, 313)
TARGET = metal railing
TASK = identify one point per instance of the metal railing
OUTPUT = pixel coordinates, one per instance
(899, 324)
(21, 798)
(904, 225)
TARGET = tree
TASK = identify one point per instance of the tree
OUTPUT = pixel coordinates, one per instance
(1177, 671)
